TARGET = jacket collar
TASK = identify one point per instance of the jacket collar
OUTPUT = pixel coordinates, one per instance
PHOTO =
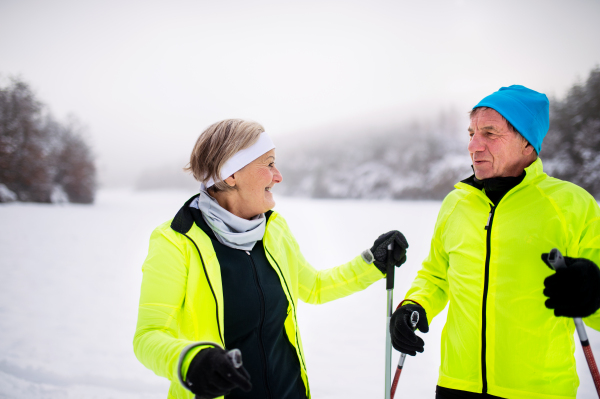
(533, 172)
(185, 218)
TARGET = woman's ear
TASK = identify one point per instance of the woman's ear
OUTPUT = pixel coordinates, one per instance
(230, 180)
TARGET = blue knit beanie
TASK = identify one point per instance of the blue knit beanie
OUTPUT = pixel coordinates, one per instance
(527, 110)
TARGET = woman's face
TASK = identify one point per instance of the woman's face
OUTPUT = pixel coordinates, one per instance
(253, 185)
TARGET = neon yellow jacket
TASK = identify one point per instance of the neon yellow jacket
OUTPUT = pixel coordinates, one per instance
(528, 351)
(181, 300)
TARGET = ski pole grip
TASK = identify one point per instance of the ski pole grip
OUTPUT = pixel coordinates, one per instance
(414, 319)
(556, 259)
(235, 355)
(390, 267)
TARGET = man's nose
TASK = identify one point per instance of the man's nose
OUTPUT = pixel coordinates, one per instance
(475, 144)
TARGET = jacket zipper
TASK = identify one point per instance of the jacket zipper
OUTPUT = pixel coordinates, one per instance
(488, 228)
(262, 320)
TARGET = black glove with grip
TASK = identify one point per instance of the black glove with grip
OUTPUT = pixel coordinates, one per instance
(380, 251)
(212, 374)
(573, 291)
(403, 336)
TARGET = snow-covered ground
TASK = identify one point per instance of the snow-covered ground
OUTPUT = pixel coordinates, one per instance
(69, 286)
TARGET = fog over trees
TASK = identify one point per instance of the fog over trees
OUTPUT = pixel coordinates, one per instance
(418, 160)
(41, 159)
(424, 160)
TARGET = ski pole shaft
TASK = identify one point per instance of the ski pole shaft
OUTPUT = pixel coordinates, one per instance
(557, 261)
(389, 285)
(414, 319)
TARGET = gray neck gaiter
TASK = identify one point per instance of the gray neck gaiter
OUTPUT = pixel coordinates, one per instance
(230, 230)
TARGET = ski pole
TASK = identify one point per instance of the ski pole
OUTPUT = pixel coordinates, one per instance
(557, 261)
(235, 355)
(389, 286)
(414, 319)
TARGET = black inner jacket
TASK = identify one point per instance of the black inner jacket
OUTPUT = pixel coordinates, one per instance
(255, 309)
(495, 187)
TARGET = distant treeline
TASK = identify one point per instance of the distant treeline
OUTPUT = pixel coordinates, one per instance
(425, 160)
(420, 160)
(571, 150)
(41, 160)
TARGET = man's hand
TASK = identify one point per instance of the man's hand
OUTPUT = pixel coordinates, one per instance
(404, 338)
(573, 291)
(379, 251)
(212, 374)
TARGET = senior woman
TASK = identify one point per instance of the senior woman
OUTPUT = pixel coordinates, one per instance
(226, 272)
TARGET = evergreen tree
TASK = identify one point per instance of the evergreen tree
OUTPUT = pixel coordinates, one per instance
(572, 147)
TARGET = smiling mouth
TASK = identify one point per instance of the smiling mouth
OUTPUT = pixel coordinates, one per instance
(268, 189)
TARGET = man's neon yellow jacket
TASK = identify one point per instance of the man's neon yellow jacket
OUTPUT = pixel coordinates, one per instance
(499, 335)
(181, 300)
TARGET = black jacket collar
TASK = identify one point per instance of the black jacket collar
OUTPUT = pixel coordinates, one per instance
(184, 220)
(495, 187)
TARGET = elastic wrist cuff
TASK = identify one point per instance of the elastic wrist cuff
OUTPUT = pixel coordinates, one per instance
(409, 300)
(182, 356)
(367, 256)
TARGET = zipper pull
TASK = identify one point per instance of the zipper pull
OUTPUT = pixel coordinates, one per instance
(487, 225)
(247, 253)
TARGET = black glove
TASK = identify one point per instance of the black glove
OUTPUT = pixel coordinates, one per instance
(212, 374)
(573, 291)
(403, 335)
(380, 251)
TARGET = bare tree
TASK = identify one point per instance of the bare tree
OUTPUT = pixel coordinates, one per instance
(38, 154)
(76, 172)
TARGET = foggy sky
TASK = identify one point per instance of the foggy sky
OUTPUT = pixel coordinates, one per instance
(147, 77)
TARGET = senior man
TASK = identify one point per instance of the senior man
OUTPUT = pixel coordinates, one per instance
(508, 333)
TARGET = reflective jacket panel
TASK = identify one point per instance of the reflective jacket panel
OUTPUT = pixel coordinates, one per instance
(181, 300)
(499, 336)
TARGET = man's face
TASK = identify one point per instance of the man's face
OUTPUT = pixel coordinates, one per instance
(496, 151)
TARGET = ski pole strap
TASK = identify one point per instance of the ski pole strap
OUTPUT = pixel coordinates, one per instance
(409, 300)
(182, 355)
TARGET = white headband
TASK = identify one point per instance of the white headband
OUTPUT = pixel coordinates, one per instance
(244, 157)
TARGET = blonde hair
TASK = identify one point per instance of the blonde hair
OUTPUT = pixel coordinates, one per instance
(219, 142)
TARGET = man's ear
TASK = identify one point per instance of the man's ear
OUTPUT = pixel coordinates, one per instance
(528, 149)
(230, 180)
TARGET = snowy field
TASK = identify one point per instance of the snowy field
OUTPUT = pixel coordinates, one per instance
(69, 286)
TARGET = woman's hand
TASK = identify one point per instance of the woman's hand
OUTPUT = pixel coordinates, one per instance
(212, 374)
(378, 254)
(403, 334)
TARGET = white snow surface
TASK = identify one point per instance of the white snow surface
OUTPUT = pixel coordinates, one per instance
(69, 288)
